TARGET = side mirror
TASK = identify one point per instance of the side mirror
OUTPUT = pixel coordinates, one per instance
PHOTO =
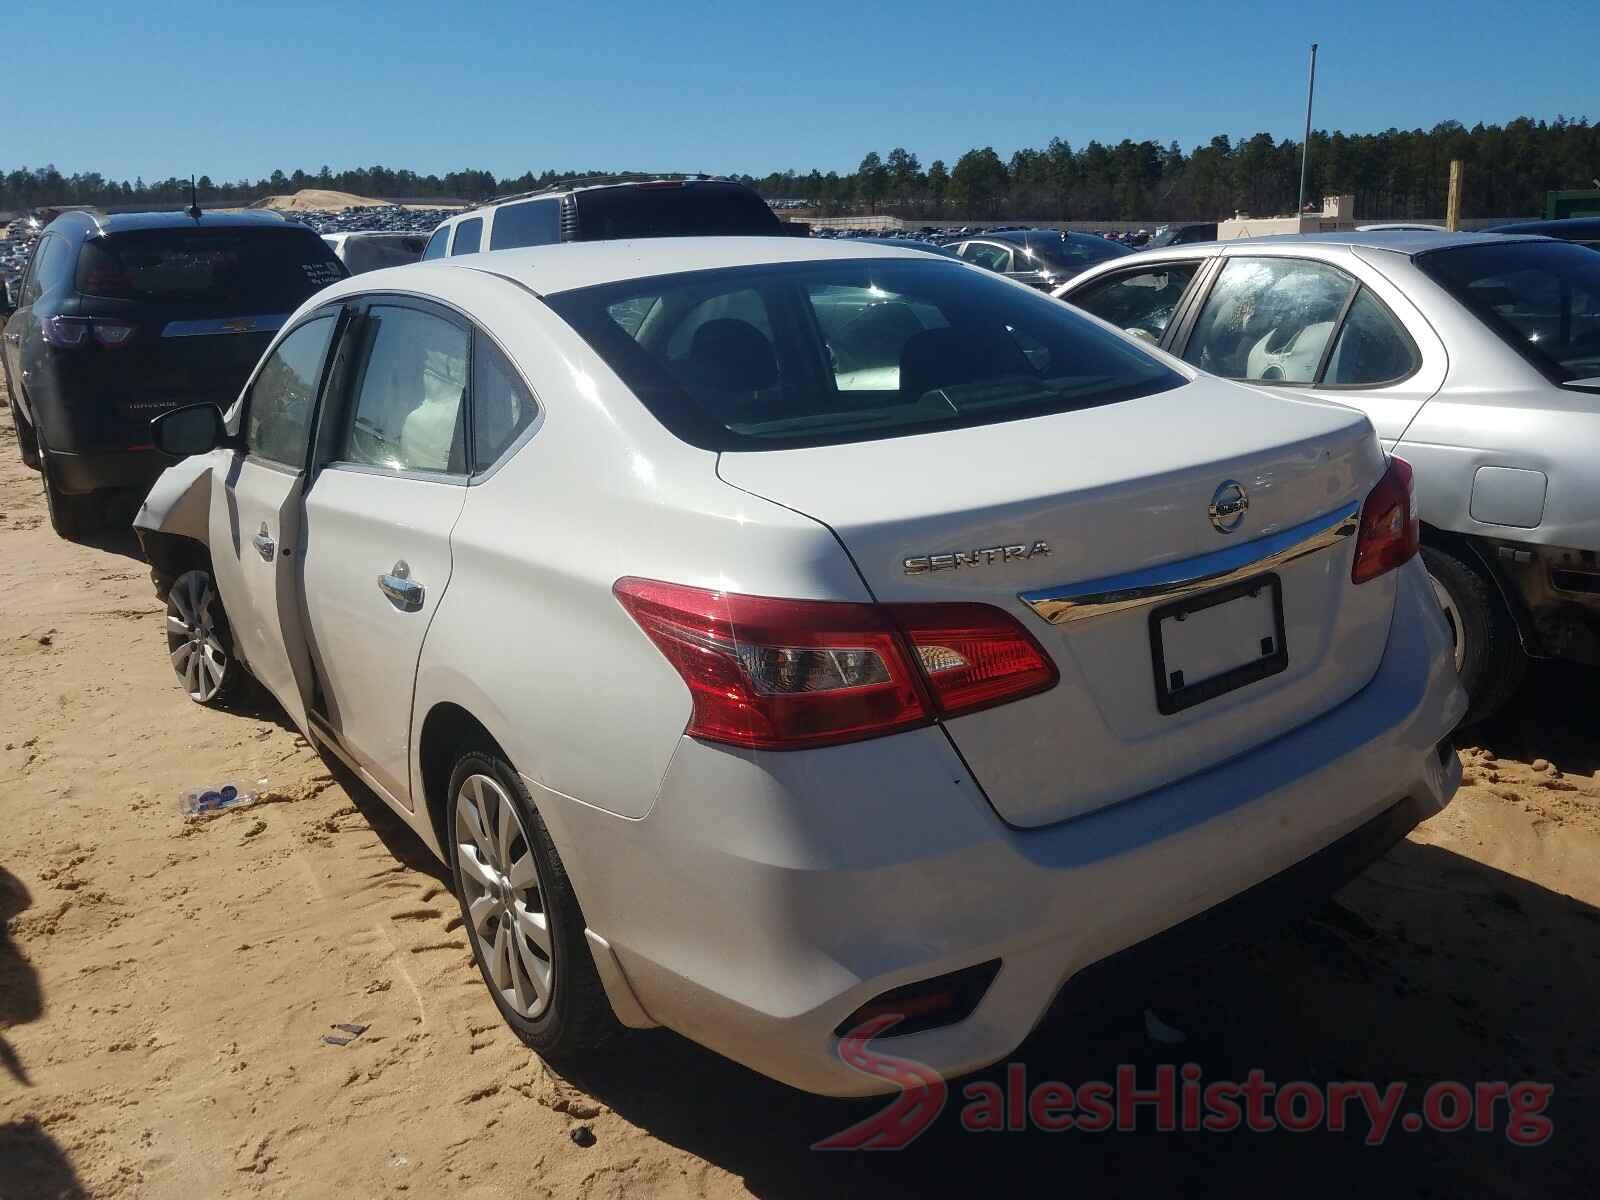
(193, 429)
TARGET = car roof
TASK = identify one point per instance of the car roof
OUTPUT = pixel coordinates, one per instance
(1022, 236)
(1397, 240)
(566, 266)
(124, 222)
(1394, 241)
(556, 190)
(1563, 227)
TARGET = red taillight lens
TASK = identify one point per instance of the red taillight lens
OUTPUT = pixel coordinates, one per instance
(1390, 532)
(973, 656)
(779, 674)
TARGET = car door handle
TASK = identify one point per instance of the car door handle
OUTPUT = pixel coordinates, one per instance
(404, 592)
(264, 544)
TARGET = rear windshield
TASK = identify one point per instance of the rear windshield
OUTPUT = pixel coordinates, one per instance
(1077, 253)
(229, 270)
(1541, 297)
(806, 354)
(672, 210)
(374, 253)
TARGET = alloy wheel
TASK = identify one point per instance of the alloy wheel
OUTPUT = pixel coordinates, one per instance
(504, 896)
(193, 639)
(1452, 616)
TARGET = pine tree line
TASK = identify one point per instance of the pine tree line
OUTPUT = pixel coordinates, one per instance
(1394, 174)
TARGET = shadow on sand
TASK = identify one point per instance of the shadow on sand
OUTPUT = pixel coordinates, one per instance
(31, 1162)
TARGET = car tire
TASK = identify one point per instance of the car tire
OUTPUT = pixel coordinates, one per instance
(1489, 657)
(511, 885)
(199, 640)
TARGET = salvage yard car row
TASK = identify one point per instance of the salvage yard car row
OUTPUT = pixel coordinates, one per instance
(722, 610)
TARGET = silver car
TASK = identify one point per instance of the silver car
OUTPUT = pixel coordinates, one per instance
(1477, 358)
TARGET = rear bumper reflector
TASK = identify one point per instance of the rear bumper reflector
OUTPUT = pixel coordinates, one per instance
(928, 1004)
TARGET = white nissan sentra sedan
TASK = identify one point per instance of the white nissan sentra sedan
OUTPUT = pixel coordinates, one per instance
(780, 638)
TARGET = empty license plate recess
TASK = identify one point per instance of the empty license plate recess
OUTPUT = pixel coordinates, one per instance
(1210, 644)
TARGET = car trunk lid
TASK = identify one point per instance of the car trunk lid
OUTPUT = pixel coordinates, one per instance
(1098, 501)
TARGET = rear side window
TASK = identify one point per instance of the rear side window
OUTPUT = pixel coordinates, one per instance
(227, 271)
(502, 406)
(1269, 320)
(797, 354)
(534, 223)
(1371, 349)
(672, 210)
(278, 421)
(409, 413)
(437, 243)
(468, 236)
(52, 267)
(1138, 301)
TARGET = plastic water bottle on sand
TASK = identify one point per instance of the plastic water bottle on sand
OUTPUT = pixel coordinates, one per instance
(203, 802)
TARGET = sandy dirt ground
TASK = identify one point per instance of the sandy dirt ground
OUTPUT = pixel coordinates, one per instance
(165, 987)
(323, 200)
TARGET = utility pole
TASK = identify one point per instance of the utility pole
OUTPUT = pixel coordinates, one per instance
(1305, 146)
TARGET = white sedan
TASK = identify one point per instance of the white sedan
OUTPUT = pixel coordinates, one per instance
(784, 638)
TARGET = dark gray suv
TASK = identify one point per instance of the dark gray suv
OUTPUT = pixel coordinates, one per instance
(121, 318)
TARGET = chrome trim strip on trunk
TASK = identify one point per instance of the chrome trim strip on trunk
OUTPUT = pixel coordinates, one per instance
(1175, 580)
(211, 326)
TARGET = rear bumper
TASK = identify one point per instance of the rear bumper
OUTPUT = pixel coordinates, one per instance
(1258, 911)
(766, 897)
(1554, 594)
(78, 473)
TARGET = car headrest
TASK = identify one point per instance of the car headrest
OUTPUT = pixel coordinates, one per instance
(732, 355)
(949, 356)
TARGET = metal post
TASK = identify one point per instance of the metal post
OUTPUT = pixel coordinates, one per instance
(1305, 146)
(1452, 211)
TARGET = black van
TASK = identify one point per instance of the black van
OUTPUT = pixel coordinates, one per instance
(575, 212)
(121, 318)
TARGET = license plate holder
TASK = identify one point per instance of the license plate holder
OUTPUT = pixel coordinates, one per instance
(1229, 638)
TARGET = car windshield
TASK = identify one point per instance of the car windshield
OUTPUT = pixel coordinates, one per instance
(771, 357)
(232, 270)
(385, 250)
(1541, 297)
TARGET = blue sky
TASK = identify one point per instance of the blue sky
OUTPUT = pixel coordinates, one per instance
(232, 90)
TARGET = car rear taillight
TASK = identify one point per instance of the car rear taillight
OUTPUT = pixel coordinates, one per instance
(64, 333)
(776, 674)
(973, 655)
(1390, 533)
(113, 334)
(72, 333)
